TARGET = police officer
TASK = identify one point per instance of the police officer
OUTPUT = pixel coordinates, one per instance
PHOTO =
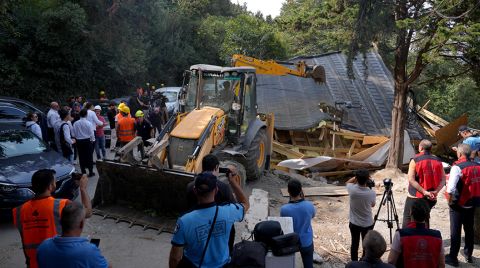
(425, 179)
(418, 245)
(39, 218)
(464, 193)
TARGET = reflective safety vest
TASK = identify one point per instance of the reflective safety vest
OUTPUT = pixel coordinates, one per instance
(428, 173)
(469, 183)
(37, 220)
(126, 129)
(421, 247)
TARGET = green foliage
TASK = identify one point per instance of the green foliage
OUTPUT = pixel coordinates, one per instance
(251, 36)
(312, 27)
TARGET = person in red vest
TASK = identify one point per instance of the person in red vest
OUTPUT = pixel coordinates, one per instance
(464, 195)
(39, 218)
(417, 245)
(425, 179)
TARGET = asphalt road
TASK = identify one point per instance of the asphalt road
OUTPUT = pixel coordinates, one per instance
(123, 247)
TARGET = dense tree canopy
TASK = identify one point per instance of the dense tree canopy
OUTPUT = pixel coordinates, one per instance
(50, 49)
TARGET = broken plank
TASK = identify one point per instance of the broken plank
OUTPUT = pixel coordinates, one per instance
(289, 153)
(321, 191)
(367, 140)
(367, 152)
(274, 166)
(341, 172)
(431, 116)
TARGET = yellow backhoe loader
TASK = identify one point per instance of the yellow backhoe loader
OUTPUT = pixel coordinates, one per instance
(219, 116)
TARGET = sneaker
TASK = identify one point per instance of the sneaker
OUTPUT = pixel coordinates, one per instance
(451, 261)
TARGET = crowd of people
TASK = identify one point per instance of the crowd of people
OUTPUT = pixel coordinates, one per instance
(76, 130)
(204, 236)
(417, 244)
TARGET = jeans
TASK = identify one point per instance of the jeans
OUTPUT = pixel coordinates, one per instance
(100, 147)
(307, 256)
(459, 217)
(355, 232)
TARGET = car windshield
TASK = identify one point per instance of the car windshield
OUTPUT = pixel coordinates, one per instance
(170, 95)
(20, 143)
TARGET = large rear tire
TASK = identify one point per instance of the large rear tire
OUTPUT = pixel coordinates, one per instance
(256, 156)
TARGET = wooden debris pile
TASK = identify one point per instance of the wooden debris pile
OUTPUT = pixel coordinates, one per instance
(332, 151)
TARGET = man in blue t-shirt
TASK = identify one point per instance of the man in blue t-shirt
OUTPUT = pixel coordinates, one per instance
(302, 213)
(192, 231)
(70, 250)
(470, 139)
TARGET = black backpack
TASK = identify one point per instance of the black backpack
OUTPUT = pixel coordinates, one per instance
(248, 254)
(264, 231)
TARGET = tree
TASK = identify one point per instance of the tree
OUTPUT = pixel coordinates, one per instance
(252, 36)
(423, 33)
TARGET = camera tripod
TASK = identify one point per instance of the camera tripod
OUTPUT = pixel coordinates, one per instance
(387, 199)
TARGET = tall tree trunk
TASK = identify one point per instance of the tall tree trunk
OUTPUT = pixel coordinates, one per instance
(395, 154)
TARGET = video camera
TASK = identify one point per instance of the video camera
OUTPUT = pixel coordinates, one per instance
(387, 182)
(370, 183)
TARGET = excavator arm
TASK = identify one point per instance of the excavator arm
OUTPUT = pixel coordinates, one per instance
(272, 67)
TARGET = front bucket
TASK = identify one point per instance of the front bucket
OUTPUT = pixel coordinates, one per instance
(141, 187)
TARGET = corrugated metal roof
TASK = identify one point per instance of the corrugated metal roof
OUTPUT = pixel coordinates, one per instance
(295, 100)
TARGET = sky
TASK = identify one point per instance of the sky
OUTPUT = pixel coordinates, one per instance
(267, 7)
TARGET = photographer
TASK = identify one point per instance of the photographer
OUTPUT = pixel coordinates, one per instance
(194, 244)
(362, 199)
(425, 179)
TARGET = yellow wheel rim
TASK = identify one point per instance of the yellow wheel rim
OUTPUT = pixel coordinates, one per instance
(261, 156)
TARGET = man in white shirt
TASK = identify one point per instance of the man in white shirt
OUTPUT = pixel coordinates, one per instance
(52, 118)
(362, 199)
(84, 135)
(92, 117)
(63, 137)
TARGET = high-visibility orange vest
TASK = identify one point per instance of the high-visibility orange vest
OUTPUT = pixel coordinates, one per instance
(37, 220)
(126, 129)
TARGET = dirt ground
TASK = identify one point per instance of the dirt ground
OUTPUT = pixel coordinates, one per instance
(330, 225)
(134, 247)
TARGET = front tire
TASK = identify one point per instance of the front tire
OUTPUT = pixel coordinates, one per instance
(256, 156)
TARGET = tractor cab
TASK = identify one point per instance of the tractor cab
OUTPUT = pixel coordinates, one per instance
(231, 89)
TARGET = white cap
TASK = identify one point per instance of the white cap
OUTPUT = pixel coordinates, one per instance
(97, 107)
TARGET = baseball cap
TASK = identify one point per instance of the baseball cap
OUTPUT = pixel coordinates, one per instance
(462, 128)
(205, 182)
(97, 107)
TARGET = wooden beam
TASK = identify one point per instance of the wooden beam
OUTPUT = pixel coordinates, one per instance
(289, 153)
(431, 116)
(367, 140)
(130, 146)
(274, 166)
(367, 152)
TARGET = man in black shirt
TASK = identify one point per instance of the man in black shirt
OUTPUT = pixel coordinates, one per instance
(143, 128)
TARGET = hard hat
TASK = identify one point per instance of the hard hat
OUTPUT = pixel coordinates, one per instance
(121, 105)
(139, 113)
(97, 107)
(124, 109)
(102, 92)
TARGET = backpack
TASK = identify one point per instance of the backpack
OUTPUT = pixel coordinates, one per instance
(65, 146)
(248, 254)
(285, 244)
(264, 231)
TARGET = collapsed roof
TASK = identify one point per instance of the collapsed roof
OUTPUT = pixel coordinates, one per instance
(366, 102)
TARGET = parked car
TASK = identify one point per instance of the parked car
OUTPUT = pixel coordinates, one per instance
(172, 95)
(21, 154)
(13, 111)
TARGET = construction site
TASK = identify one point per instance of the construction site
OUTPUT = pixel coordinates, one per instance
(274, 121)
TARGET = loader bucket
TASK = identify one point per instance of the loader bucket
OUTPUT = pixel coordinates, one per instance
(141, 187)
(318, 74)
